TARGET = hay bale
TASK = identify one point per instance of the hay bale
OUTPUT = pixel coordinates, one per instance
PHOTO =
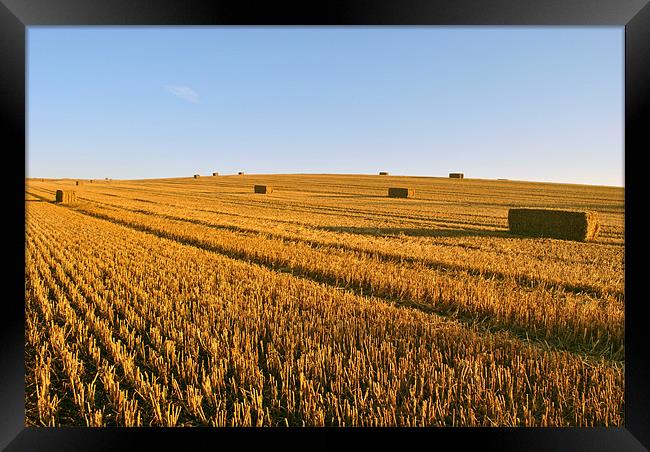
(263, 189)
(401, 192)
(456, 175)
(383, 173)
(79, 182)
(65, 196)
(215, 174)
(241, 173)
(196, 176)
(559, 224)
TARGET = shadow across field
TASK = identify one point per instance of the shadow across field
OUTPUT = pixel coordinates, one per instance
(424, 232)
(349, 196)
(418, 232)
(39, 198)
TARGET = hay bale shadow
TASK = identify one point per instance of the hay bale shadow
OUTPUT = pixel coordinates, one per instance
(416, 232)
(348, 196)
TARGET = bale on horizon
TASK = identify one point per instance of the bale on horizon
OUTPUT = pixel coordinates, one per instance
(383, 173)
(456, 175)
(196, 176)
(65, 196)
(560, 224)
(263, 189)
(401, 192)
(215, 174)
(241, 173)
(79, 182)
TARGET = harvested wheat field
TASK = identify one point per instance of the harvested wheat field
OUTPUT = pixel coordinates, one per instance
(184, 302)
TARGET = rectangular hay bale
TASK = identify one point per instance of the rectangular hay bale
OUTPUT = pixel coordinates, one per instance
(79, 182)
(215, 174)
(551, 223)
(241, 173)
(65, 196)
(383, 173)
(401, 192)
(263, 189)
(196, 176)
(456, 175)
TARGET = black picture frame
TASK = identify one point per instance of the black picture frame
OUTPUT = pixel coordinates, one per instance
(16, 15)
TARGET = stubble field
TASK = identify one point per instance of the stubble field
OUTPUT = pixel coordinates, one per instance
(182, 302)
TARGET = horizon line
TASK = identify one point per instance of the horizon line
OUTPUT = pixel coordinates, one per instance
(325, 174)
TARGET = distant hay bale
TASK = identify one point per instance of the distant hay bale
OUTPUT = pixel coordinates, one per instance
(456, 175)
(383, 173)
(215, 174)
(401, 192)
(66, 196)
(79, 182)
(241, 173)
(263, 189)
(196, 176)
(559, 224)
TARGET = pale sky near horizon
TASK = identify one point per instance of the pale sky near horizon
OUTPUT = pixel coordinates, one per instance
(521, 103)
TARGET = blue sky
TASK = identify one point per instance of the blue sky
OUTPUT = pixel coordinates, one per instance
(525, 103)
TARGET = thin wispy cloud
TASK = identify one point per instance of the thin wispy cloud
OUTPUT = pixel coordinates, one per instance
(183, 92)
